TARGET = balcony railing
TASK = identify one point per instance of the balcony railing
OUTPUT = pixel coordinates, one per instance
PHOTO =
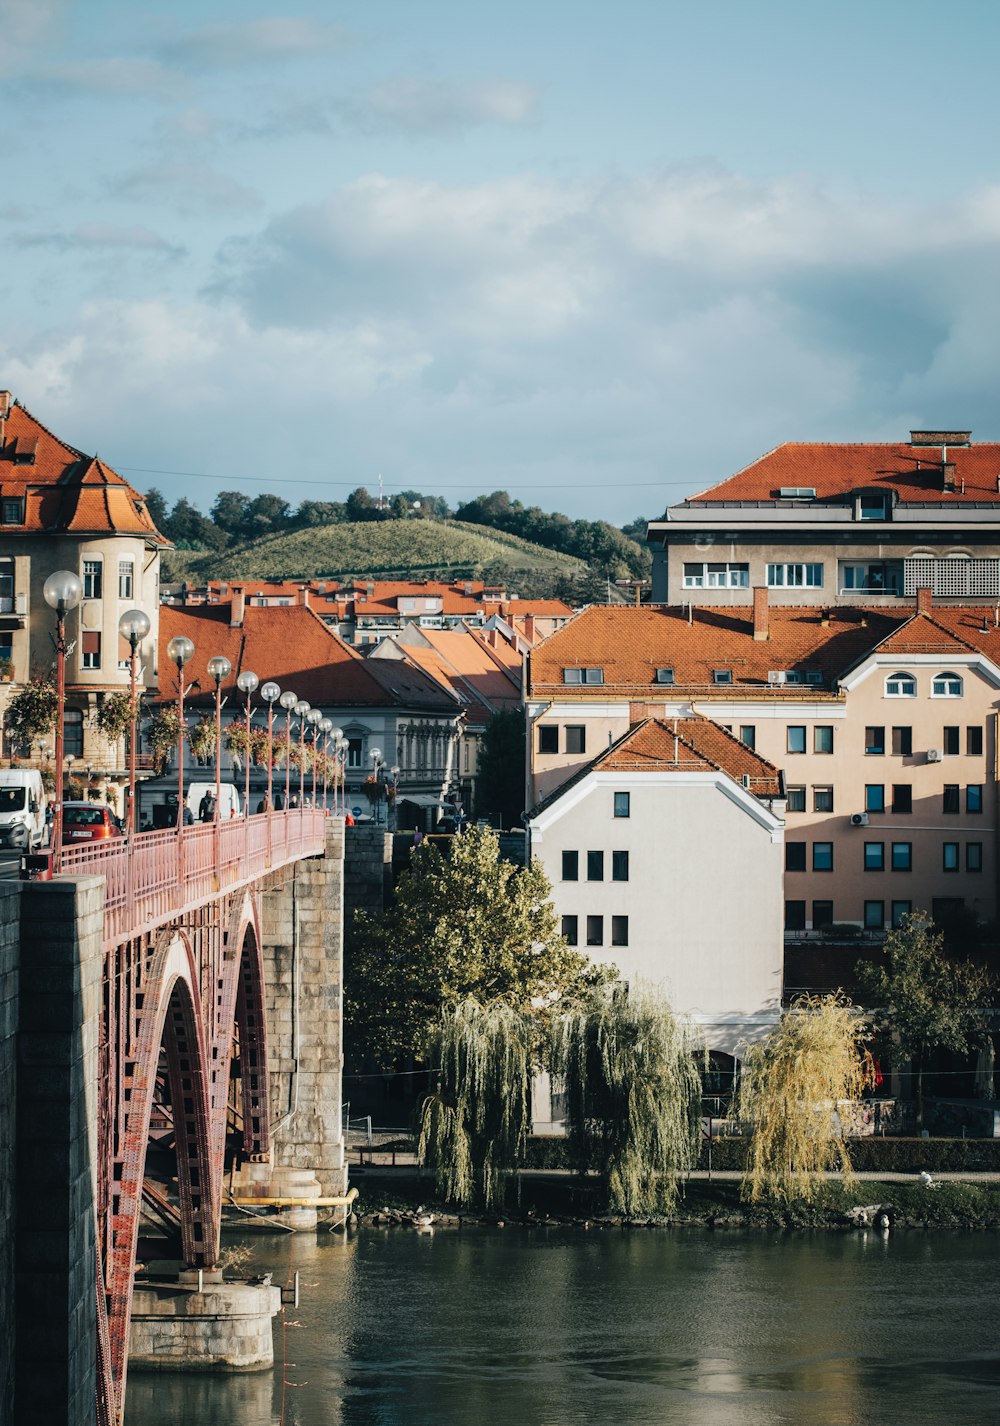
(155, 877)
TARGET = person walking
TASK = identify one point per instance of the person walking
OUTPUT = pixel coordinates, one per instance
(206, 808)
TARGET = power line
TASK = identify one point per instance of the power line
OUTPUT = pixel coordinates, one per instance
(392, 485)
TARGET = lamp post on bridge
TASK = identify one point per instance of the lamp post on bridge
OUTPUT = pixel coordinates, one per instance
(314, 717)
(301, 709)
(288, 701)
(180, 651)
(326, 728)
(270, 692)
(220, 668)
(133, 625)
(378, 764)
(341, 746)
(62, 592)
(247, 683)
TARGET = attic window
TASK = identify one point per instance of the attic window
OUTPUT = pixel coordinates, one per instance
(583, 675)
(664, 675)
(722, 676)
(13, 512)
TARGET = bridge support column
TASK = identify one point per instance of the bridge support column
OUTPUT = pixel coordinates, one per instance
(303, 953)
(212, 1327)
(62, 927)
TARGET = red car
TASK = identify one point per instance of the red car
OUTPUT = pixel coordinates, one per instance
(88, 822)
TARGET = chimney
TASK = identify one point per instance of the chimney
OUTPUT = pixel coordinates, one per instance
(493, 639)
(5, 402)
(302, 594)
(824, 618)
(925, 600)
(760, 613)
(948, 475)
(529, 628)
(238, 606)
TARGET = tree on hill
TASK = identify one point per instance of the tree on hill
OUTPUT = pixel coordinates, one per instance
(231, 512)
(312, 513)
(466, 925)
(921, 1000)
(189, 528)
(157, 508)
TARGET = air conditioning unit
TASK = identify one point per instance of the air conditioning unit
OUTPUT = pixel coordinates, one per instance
(934, 755)
(859, 819)
(777, 675)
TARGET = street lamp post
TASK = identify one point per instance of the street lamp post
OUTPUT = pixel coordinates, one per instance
(301, 709)
(220, 668)
(342, 746)
(378, 763)
(326, 728)
(394, 774)
(180, 651)
(336, 737)
(288, 701)
(246, 683)
(270, 692)
(133, 625)
(62, 592)
(315, 718)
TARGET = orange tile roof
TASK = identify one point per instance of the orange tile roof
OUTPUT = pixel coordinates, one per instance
(65, 491)
(630, 643)
(464, 664)
(838, 470)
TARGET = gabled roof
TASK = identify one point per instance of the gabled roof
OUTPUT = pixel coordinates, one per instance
(64, 491)
(629, 644)
(835, 471)
(679, 745)
(293, 647)
(464, 665)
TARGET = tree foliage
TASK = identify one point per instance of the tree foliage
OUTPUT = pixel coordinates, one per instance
(633, 1094)
(790, 1086)
(500, 776)
(921, 999)
(469, 924)
(474, 1125)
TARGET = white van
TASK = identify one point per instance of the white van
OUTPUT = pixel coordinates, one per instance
(230, 805)
(22, 808)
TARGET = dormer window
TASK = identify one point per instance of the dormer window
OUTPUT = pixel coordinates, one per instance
(722, 676)
(583, 675)
(665, 676)
(873, 506)
(12, 511)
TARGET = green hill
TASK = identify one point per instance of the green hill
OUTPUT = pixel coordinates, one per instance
(391, 549)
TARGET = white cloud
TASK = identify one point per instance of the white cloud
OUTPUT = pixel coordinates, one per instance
(102, 237)
(261, 41)
(188, 188)
(422, 106)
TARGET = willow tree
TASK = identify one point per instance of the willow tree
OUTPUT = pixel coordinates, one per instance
(473, 1127)
(793, 1086)
(633, 1091)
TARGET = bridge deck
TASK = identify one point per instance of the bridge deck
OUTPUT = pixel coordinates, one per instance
(155, 877)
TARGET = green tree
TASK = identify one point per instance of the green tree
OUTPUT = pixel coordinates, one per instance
(157, 508)
(312, 513)
(466, 925)
(633, 1095)
(921, 1000)
(500, 775)
(268, 514)
(230, 511)
(790, 1086)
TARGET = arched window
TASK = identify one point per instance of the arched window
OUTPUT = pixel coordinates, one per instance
(900, 685)
(947, 685)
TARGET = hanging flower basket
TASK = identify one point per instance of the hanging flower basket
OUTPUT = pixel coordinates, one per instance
(202, 738)
(30, 712)
(162, 735)
(260, 746)
(114, 716)
(235, 740)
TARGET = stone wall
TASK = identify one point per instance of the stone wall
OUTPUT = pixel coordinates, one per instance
(10, 910)
(367, 870)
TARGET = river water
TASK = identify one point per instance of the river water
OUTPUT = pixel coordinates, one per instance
(549, 1327)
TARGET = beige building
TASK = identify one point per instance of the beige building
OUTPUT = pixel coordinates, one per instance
(627, 844)
(61, 509)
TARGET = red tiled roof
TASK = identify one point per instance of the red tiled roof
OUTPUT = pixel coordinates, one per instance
(65, 491)
(683, 744)
(630, 643)
(463, 664)
(838, 470)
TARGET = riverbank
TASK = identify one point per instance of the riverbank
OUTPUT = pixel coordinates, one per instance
(562, 1203)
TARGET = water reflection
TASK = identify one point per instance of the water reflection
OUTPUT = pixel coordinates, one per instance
(553, 1328)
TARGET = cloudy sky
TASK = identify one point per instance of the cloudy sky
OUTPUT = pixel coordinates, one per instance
(598, 254)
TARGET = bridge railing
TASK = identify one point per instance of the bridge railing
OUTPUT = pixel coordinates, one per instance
(155, 876)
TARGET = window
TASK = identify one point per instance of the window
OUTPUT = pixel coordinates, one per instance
(822, 799)
(874, 797)
(716, 576)
(576, 738)
(973, 856)
(874, 915)
(125, 568)
(902, 798)
(878, 577)
(796, 799)
(623, 802)
(93, 578)
(91, 648)
(901, 685)
(354, 751)
(595, 866)
(900, 909)
(722, 675)
(951, 743)
(570, 930)
(974, 797)
(949, 856)
(795, 576)
(619, 866)
(571, 866)
(946, 685)
(664, 675)
(795, 915)
(796, 738)
(748, 734)
(822, 856)
(6, 586)
(583, 675)
(822, 914)
(902, 742)
(823, 738)
(950, 803)
(875, 742)
(595, 930)
(974, 741)
(13, 512)
(548, 738)
(73, 733)
(874, 856)
(902, 856)
(619, 930)
(795, 856)
(871, 507)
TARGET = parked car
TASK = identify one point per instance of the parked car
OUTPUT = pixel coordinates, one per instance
(22, 808)
(88, 822)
